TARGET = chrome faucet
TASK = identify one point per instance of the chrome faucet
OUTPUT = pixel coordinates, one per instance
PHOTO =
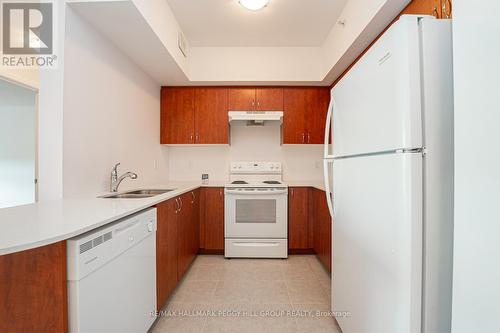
(115, 180)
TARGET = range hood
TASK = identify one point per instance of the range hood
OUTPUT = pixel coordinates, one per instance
(255, 118)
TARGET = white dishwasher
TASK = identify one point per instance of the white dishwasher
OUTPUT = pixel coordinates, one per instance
(112, 276)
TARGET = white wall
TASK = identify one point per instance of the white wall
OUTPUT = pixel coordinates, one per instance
(256, 64)
(111, 114)
(17, 145)
(476, 287)
(300, 162)
(50, 118)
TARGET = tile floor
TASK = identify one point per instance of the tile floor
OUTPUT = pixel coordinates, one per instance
(250, 295)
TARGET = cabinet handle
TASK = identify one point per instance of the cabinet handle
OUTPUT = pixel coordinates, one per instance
(303, 137)
(191, 138)
(220, 192)
(253, 103)
(197, 137)
(258, 103)
(180, 200)
(308, 137)
(291, 192)
(177, 205)
(194, 197)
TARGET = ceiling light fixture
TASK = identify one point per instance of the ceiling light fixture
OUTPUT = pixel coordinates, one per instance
(254, 4)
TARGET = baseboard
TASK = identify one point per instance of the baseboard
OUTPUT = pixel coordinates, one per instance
(213, 252)
(301, 251)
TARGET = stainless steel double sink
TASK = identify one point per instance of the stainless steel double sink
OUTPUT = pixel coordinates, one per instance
(139, 194)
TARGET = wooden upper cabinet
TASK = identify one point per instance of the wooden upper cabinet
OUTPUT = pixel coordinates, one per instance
(294, 120)
(241, 99)
(211, 120)
(177, 115)
(256, 99)
(318, 102)
(437, 8)
(305, 112)
(269, 99)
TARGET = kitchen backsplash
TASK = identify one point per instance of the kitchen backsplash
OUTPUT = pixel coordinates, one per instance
(300, 162)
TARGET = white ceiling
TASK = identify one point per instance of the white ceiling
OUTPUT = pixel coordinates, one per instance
(281, 23)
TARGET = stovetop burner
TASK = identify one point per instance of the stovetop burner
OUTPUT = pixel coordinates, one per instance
(239, 182)
(272, 182)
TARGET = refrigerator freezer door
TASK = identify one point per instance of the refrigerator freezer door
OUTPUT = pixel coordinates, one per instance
(377, 243)
(378, 102)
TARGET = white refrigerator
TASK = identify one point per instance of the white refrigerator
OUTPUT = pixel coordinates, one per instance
(389, 183)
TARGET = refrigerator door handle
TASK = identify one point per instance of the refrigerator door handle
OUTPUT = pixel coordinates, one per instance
(328, 127)
(328, 192)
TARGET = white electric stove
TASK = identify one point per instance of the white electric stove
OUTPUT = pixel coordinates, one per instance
(256, 211)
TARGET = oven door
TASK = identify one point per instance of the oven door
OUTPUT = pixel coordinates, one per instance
(256, 213)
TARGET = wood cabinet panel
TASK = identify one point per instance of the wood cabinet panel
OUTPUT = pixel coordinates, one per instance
(305, 112)
(187, 231)
(212, 216)
(294, 122)
(269, 99)
(427, 7)
(166, 251)
(241, 99)
(33, 290)
(195, 235)
(322, 229)
(177, 115)
(298, 218)
(318, 101)
(211, 120)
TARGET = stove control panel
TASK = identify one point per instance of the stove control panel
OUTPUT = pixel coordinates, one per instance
(256, 167)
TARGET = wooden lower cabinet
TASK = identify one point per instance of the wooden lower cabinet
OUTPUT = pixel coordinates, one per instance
(177, 241)
(298, 218)
(322, 228)
(166, 251)
(212, 219)
(309, 224)
(33, 290)
(187, 232)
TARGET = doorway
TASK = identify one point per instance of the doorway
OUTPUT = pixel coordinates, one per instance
(18, 144)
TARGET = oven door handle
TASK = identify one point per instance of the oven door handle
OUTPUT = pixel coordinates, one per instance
(256, 192)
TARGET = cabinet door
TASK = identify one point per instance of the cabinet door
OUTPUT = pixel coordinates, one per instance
(322, 229)
(298, 218)
(318, 100)
(213, 218)
(177, 115)
(166, 251)
(185, 230)
(211, 119)
(269, 99)
(33, 290)
(429, 7)
(241, 99)
(294, 123)
(195, 234)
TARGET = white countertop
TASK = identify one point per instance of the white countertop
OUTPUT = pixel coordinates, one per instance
(30, 226)
(316, 184)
